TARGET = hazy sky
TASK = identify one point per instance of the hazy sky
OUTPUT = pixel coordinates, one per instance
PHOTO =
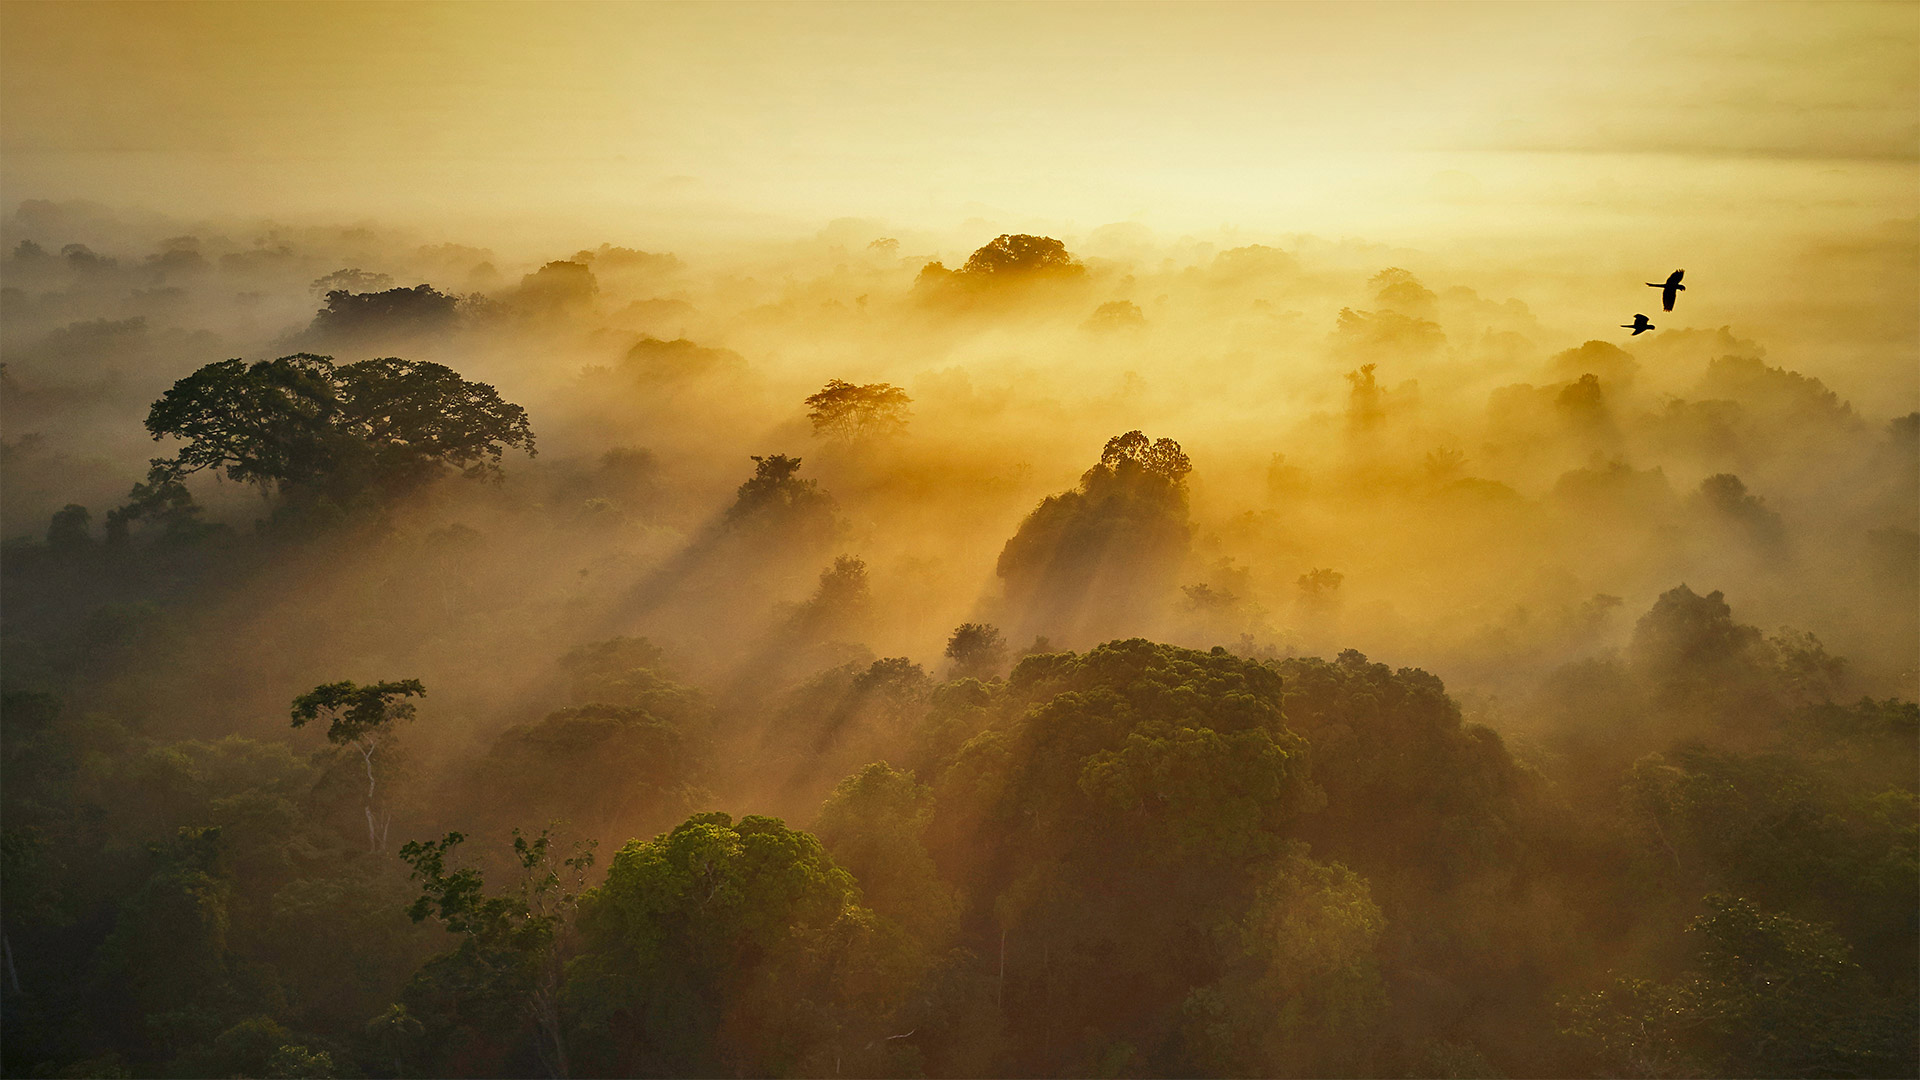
(1380, 119)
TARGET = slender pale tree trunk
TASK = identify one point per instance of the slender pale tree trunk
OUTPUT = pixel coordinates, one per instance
(1046, 974)
(1000, 993)
(13, 974)
(545, 1007)
(1660, 830)
(374, 838)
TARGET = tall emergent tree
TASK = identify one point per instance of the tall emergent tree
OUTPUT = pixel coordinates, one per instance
(362, 717)
(846, 412)
(1001, 266)
(301, 425)
(1020, 254)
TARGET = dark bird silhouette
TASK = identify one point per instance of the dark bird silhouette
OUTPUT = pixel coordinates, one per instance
(1639, 325)
(1669, 289)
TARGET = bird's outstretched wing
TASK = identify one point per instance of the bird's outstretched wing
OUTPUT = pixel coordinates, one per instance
(1674, 278)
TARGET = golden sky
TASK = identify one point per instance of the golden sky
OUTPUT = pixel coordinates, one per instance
(1380, 118)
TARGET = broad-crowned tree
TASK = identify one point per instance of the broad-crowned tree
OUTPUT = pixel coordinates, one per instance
(735, 947)
(847, 412)
(1020, 255)
(302, 425)
(1119, 806)
(611, 771)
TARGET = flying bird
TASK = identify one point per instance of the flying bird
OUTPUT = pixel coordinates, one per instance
(1669, 289)
(1639, 325)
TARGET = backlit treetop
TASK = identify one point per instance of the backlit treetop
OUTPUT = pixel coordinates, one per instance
(848, 412)
(301, 424)
(1019, 253)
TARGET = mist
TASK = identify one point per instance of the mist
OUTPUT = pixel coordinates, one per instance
(1469, 461)
(1240, 604)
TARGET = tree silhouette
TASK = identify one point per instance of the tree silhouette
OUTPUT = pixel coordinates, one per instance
(1096, 560)
(1007, 259)
(1160, 457)
(1020, 255)
(776, 490)
(1115, 315)
(977, 650)
(302, 424)
(69, 530)
(351, 316)
(847, 412)
(556, 287)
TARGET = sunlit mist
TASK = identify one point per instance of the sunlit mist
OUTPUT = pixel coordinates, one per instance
(918, 540)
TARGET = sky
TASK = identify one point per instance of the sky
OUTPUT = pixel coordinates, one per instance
(1416, 120)
(1775, 148)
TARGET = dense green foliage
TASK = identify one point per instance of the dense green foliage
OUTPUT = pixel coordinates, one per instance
(1134, 858)
(1767, 995)
(1140, 859)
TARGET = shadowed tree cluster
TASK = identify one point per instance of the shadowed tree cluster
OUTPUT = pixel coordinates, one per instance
(1018, 254)
(1009, 260)
(977, 650)
(351, 318)
(1105, 555)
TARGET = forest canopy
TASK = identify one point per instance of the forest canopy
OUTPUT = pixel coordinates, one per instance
(1161, 540)
(1421, 722)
